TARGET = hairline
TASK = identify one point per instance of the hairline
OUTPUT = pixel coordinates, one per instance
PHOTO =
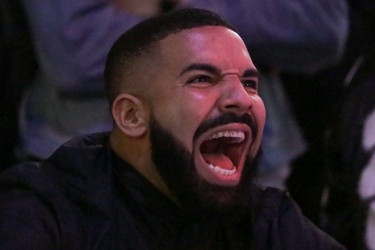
(114, 77)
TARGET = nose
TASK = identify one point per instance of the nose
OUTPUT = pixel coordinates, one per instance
(234, 97)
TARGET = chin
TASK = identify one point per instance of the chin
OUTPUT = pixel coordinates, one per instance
(213, 179)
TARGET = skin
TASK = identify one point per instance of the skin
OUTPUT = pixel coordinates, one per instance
(195, 75)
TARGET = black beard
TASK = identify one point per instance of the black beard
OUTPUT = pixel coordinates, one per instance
(197, 196)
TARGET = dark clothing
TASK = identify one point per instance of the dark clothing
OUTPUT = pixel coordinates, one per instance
(85, 197)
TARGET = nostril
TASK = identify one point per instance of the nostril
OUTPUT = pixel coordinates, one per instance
(232, 107)
(238, 105)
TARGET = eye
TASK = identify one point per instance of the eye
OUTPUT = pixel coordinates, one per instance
(201, 79)
(249, 84)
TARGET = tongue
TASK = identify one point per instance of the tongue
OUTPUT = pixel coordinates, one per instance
(219, 160)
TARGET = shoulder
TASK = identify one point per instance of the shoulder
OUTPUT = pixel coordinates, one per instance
(48, 201)
(30, 209)
(280, 222)
(74, 167)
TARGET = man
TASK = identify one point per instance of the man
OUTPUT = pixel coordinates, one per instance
(174, 173)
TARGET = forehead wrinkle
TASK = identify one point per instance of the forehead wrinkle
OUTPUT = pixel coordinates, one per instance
(216, 71)
(247, 73)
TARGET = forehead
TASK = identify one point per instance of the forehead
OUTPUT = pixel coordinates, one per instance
(209, 44)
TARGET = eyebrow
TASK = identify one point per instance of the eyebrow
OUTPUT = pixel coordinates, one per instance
(214, 70)
(201, 66)
(251, 73)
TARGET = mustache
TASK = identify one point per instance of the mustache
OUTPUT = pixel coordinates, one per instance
(227, 118)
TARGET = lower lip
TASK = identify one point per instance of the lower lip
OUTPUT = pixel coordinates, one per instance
(213, 177)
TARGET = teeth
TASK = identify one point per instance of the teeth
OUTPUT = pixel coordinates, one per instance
(239, 135)
(222, 171)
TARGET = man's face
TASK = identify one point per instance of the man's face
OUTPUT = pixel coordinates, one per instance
(205, 74)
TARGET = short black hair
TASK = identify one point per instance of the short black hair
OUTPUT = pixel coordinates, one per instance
(140, 39)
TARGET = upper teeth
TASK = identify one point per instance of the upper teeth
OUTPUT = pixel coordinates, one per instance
(239, 135)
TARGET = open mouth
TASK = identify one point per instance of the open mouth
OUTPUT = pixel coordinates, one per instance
(223, 152)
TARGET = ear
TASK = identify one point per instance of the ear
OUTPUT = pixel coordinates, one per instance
(129, 114)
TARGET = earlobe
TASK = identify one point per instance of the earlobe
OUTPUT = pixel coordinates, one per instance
(130, 115)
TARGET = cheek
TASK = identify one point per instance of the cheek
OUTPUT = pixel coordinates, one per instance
(188, 114)
(190, 118)
(183, 114)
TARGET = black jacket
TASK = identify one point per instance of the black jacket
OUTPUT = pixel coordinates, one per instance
(85, 197)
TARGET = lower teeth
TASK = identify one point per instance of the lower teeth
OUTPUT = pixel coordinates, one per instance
(222, 171)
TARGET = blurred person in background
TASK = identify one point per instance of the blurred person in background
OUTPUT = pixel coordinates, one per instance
(72, 39)
(17, 66)
(349, 207)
